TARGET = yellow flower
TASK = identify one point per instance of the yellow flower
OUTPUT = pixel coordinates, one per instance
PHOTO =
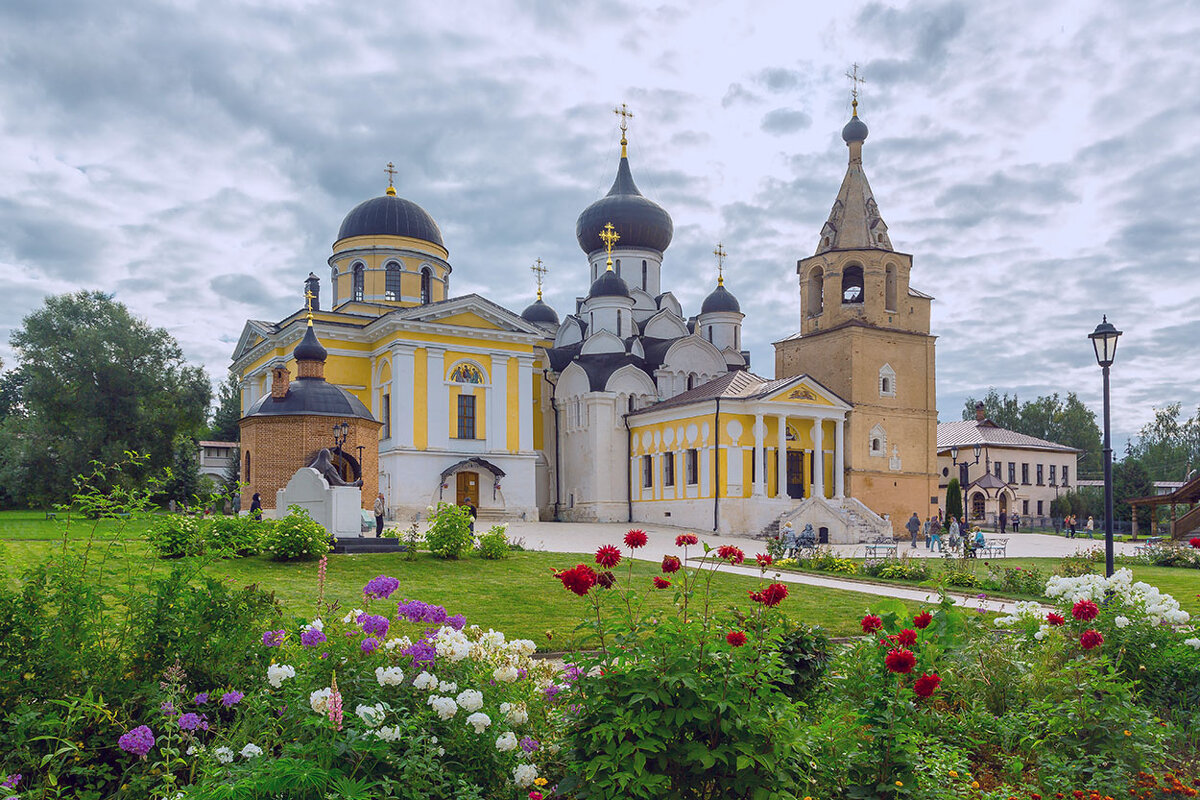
(953, 774)
(1127, 733)
(540, 781)
(899, 783)
(974, 784)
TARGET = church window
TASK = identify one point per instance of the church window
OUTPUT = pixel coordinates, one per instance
(668, 469)
(878, 441)
(392, 286)
(647, 471)
(246, 476)
(619, 334)
(887, 381)
(691, 382)
(737, 338)
(645, 273)
(618, 267)
(692, 466)
(466, 373)
(890, 286)
(358, 281)
(426, 286)
(466, 416)
(710, 335)
(816, 292)
(852, 284)
(333, 283)
(385, 411)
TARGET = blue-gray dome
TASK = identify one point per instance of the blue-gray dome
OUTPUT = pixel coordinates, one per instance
(639, 221)
(310, 347)
(540, 312)
(855, 130)
(311, 397)
(609, 285)
(390, 216)
(720, 300)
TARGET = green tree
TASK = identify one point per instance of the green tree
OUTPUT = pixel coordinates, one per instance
(224, 424)
(954, 508)
(95, 382)
(1130, 479)
(184, 482)
(1168, 447)
(1049, 417)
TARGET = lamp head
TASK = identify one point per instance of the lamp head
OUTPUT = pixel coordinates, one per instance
(1104, 341)
(954, 454)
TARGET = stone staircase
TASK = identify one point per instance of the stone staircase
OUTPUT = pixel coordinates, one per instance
(849, 520)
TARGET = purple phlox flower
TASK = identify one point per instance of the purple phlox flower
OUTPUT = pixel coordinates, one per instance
(416, 611)
(381, 587)
(374, 624)
(422, 651)
(138, 741)
(529, 744)
(192, 721)
(11, 781)
(552, 691)
(168, 708)
(370, 644)
(311, 637)
(274, 638)
(458, 622)
(572, 673)
(231, 699)
(522, 672)
(201, 698)
(324, 655)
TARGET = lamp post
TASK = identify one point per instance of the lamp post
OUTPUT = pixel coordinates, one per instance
(964, 472)
(1104, 341)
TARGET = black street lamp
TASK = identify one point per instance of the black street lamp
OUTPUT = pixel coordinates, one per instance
(1104, 340)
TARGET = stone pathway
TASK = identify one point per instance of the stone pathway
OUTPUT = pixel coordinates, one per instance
(586, 537)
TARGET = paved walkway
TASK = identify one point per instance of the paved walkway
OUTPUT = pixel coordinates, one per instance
(586, 537)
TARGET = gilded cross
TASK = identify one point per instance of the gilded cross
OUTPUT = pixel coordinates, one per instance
(720, 254)
(308, 298)
(609, 236)
(391, 173)
(625, 114)
(540, 270)
(855, 80)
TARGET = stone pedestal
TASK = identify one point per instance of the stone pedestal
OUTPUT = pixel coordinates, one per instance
(337, 508)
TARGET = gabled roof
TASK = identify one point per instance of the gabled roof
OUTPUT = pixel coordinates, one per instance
(736, 385)
(968, 433)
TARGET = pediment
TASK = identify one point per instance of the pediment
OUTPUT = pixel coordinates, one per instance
(803, 390)
(471, 311)
(254, 333)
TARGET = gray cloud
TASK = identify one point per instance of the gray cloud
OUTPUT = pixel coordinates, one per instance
(783, 121)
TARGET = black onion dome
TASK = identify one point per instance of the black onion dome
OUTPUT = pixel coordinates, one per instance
(639, 221)
(609, 285)
(720, 300)
(540, 312)
(390, 216)
(855, 130)
(310, 347)
(313, 397)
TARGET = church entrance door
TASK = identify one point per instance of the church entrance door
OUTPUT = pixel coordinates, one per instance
(795, 474)
(467, 489)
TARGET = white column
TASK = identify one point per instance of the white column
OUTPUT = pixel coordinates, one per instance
(525, 379)
(401, 422)
(818, 458)
(759, 465)
(497, 412)
(839, 450)
(438, 397)
(781, 455)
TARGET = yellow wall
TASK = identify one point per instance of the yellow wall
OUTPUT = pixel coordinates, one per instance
(512, 407)
(421, 391)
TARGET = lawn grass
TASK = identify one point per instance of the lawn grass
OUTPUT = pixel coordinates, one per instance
(518, 595)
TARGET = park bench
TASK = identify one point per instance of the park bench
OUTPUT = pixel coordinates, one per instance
(806, 543)
(994, 547)
(51, 515)
(1151, 543)
(884, 543)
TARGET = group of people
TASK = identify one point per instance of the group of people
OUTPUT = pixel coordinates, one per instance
(1070, 522)
(1005, 519)
(955, 529)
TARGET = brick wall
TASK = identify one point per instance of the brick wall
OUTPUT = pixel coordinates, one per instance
(280, 445)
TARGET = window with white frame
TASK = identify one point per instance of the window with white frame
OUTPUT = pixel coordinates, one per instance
(878, 441)
(887, 381)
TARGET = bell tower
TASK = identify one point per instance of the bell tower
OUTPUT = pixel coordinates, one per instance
(864, 333)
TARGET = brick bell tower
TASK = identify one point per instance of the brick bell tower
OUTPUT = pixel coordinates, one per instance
(864, 333)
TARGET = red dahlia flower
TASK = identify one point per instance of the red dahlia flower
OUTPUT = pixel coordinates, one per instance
(907, 637)
(900, 661)
(1085, 611)
(871, 623)
(606, 580)
(1055, 619)
(1195, 542)
(774, 594)
(671, 564)
(756, 596)
(923, 619)
(608, 556)
(733, 555)
(763, 560)
(1090, 638)
(579, 579)
(635, 539)
(925, 685)
(661, 583)
(735, 638)
(684, 539)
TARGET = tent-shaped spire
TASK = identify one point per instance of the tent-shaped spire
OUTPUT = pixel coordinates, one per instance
(854, 223)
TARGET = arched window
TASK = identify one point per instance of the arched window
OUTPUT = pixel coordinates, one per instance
(618, 267)
(887, 381)
(466, 373)
(645, 274)
(816, 292)
(737, 338)
(691, 382)
(246, 475)
(878, 441)
(852, 284)
(426, 285)
(358, 281)
(977, 505)
(392, 283)
(333, 285)
(710, 334)
(890, 288)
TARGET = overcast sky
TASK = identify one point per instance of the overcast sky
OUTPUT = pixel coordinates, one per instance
(1039, 160)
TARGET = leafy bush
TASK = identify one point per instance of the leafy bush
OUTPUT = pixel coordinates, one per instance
(493, 545)
(1166, 554)
(175, 536)
(449, 532)
(1016, 580)
(958, 572)
(898, 568)
(825, 560)
(296, 537)
(235, 535)
(803, 656)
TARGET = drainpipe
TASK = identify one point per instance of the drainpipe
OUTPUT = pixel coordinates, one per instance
(629, 467)
(717, 468)
(557, 446)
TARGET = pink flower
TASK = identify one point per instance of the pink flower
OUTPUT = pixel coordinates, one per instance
(684, 539)
(733, 555)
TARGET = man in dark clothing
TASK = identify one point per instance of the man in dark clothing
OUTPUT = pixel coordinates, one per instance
(470, 510)
(1003, 520)
(914, 526)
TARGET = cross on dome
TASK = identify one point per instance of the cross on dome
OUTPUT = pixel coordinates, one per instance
(540, 270)
(625, 114)
(609, 236)
(720, 254)
(391, 173)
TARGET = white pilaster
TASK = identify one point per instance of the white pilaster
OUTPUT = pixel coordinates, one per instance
(818, 458)
(525, 379)
(839, 448)
(781, 455)
(401, 423)
(760, 478)
(497, 429)
(438, 397)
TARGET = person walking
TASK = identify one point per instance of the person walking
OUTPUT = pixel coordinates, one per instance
(1091, 526)
(954, 531)
(256, 507)
(1016, 523)
(380, 507)
(914, 526)
(935, 532)
(1003, 520)
(470, 510)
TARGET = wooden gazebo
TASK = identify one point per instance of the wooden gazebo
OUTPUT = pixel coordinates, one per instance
(1188, 494)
